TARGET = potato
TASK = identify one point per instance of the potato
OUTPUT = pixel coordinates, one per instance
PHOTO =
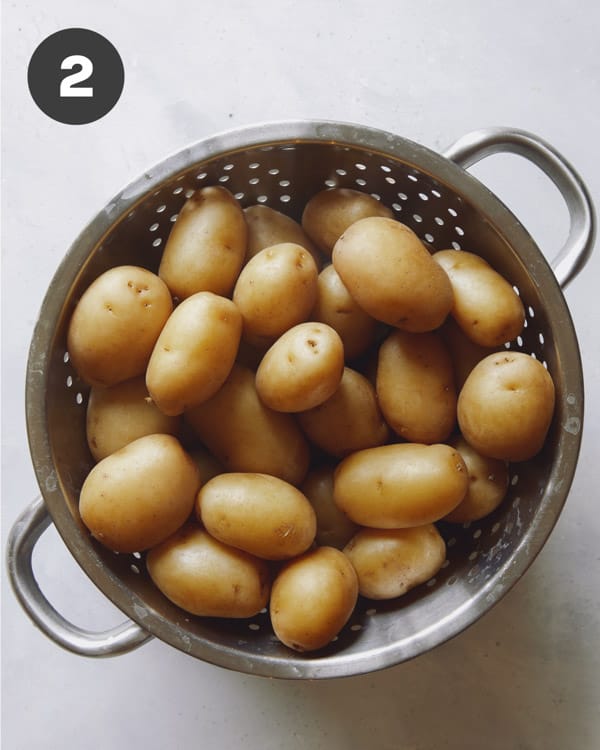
(116, 323)
(486, 306)
(334, 528)
(388, 271)
(257, 513)
(347, 421)
(206, 577)
(390, 562)
(276, 290)
(245, 435)
(250, 353)
(400, 486)
(194, 353)
(120, 414)
(336, 308)
(367, 365)
(206, 248)
(506, 406)
(312, 598)
(415, 386)
(488, 483)
(137, 497)
(330, 212)
(207, 464)
(267, 227)
(302, 369)
(464, 353)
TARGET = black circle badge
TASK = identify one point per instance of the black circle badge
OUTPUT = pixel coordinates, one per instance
(75, 76)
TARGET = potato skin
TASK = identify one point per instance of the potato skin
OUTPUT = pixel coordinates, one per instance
(506, 406)
(245, 435)
(391, 275)
(267, 227)
(415, 386)
(302, 369)
(401, 485)
(312, 598)
(207, 464)
(137, 497)
(116, 323)
(347, 421)
(120, 414)
(206, 577)
(257, 513)
(330, 212)
(488, 484)
(391, 562)
(336, 307)
(464, 352)
(334, 528)
(206, 246)
(194, 353)
(486, 307)
(276, 290)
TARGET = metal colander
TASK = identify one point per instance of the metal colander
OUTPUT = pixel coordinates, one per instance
(282, 165)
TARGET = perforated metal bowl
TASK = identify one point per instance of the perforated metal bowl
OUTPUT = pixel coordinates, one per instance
(282, 165)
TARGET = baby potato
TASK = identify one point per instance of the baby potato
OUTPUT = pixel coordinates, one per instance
(120, 414)
(336, 307)
(506, 406)
(415, 386)
(302, 369)
(251, 352)
(276, 290)
(245, 435)
(194, 353)
(330, 212)
(347, 421)
(401, 485)
(390, 562)
(206, 247)
(334, 528)
(488, 483)
(208, 578)
(258, 513)
(464, 352)
(486, 306)
(391, 275)
(312, 598)
(116, 323)
(207, 464)
(137, 497)
(267, 227)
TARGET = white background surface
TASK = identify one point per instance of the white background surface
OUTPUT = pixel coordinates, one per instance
(525, 676)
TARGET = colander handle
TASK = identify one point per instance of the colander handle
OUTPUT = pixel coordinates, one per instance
(22, 539)
(578, 246)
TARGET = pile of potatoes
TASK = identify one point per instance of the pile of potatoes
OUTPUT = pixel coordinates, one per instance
(281, 415)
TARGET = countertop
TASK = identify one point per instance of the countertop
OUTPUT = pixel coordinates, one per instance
(527, 674)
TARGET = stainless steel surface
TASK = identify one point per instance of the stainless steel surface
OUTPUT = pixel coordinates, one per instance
(580, 242)
(282, 165)
(24, 535)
